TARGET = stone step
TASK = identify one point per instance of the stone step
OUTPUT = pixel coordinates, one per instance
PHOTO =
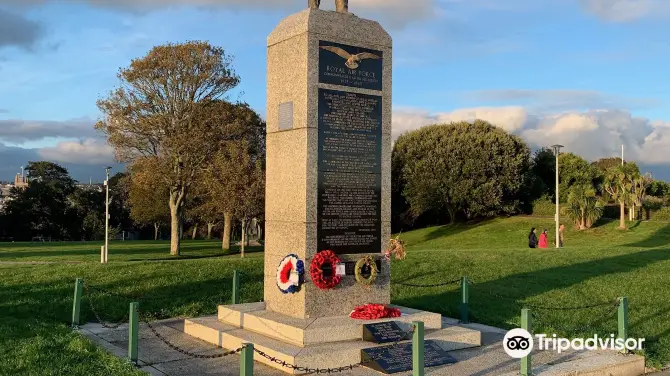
(322, 355)
(304, 332)
(608, 363)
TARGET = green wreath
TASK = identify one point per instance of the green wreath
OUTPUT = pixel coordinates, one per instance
(358, 271)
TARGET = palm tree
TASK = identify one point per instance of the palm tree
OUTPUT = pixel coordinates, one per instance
(619, 184)
(640, 184)
(583, 206)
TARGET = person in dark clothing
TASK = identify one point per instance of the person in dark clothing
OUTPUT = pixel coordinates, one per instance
(532, 238)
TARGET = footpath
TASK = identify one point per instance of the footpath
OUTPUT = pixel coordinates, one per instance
(174, 353)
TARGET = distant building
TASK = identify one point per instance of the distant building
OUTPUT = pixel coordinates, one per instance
(20, 181)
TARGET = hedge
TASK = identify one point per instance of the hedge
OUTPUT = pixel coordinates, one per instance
(546, 208)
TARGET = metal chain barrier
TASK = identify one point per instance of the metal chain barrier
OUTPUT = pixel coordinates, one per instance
(331, 370)
(597, 305)
(186, 352)
(129, 297)
(590, 326)
(95, 312)
(574, 308)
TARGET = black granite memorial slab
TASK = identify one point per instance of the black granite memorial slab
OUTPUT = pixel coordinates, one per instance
(398, 358)
(384, 332)
(349, 172)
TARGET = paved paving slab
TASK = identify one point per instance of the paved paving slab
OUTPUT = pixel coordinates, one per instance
(157, 358)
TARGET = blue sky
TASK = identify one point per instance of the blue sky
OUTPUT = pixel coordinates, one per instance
(590, 74)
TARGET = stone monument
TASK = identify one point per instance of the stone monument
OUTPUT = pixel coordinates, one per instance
(328, 188)
(328, 155)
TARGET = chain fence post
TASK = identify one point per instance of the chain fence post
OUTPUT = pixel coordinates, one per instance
(465, 299)
(526, 362)
(247, 360)
(76, 304)
(133, 331)
(236, 287)
(622, 318)
(417, 349)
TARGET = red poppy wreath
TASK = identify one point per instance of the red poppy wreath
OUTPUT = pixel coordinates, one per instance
(373, 312)
(316, 270)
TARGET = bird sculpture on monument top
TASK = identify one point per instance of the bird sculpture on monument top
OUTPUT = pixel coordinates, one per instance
(340, 5)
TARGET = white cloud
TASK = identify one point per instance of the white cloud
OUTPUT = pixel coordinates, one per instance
(591, 134)
(87, 151)
(509, 118)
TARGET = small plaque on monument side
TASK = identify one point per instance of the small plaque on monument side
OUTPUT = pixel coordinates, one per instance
(384, 332)
(398, 358)
(344, 65)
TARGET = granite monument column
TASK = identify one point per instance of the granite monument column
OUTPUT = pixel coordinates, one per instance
(328, 155)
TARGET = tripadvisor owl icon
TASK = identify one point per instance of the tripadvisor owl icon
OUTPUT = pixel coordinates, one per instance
(518, 343)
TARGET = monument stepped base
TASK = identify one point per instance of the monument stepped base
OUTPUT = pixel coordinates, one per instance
(315, 343)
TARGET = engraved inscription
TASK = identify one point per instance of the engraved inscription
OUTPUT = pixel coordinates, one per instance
(341, 64)
(383, 332)
(398, 358)
(349, 196)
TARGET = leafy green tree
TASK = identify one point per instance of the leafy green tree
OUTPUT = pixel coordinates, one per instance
(584, 207)
(167, 109)
(230, 180)
(148, 195)
(604, 164)
(119, 206)
(640, 185)
(474, 170)
(89, 206)
(574, 170)
(543, 174)
(52, 175)
(619, 184)
(601, 166)
(658, 188)
(43, 209)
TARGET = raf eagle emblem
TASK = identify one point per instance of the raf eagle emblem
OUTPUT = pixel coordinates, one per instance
(352, 60)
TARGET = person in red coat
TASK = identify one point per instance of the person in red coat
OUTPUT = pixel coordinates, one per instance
(543, 239)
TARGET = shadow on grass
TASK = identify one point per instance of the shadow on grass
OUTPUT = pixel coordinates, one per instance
(454, 229)
(498, 302)
(660, 238)
(49, 305)
(145, 250)
(233, 252)
(602, 222)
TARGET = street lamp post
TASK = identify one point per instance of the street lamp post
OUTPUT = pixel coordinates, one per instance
(557, 150)
(106, 213)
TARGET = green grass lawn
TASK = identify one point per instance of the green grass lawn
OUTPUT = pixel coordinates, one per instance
(595, 266)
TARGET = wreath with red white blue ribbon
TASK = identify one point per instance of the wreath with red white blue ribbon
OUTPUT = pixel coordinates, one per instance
(290, 274)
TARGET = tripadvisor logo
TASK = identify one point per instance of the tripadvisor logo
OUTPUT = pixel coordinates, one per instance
(592, 343)
(518, 343)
